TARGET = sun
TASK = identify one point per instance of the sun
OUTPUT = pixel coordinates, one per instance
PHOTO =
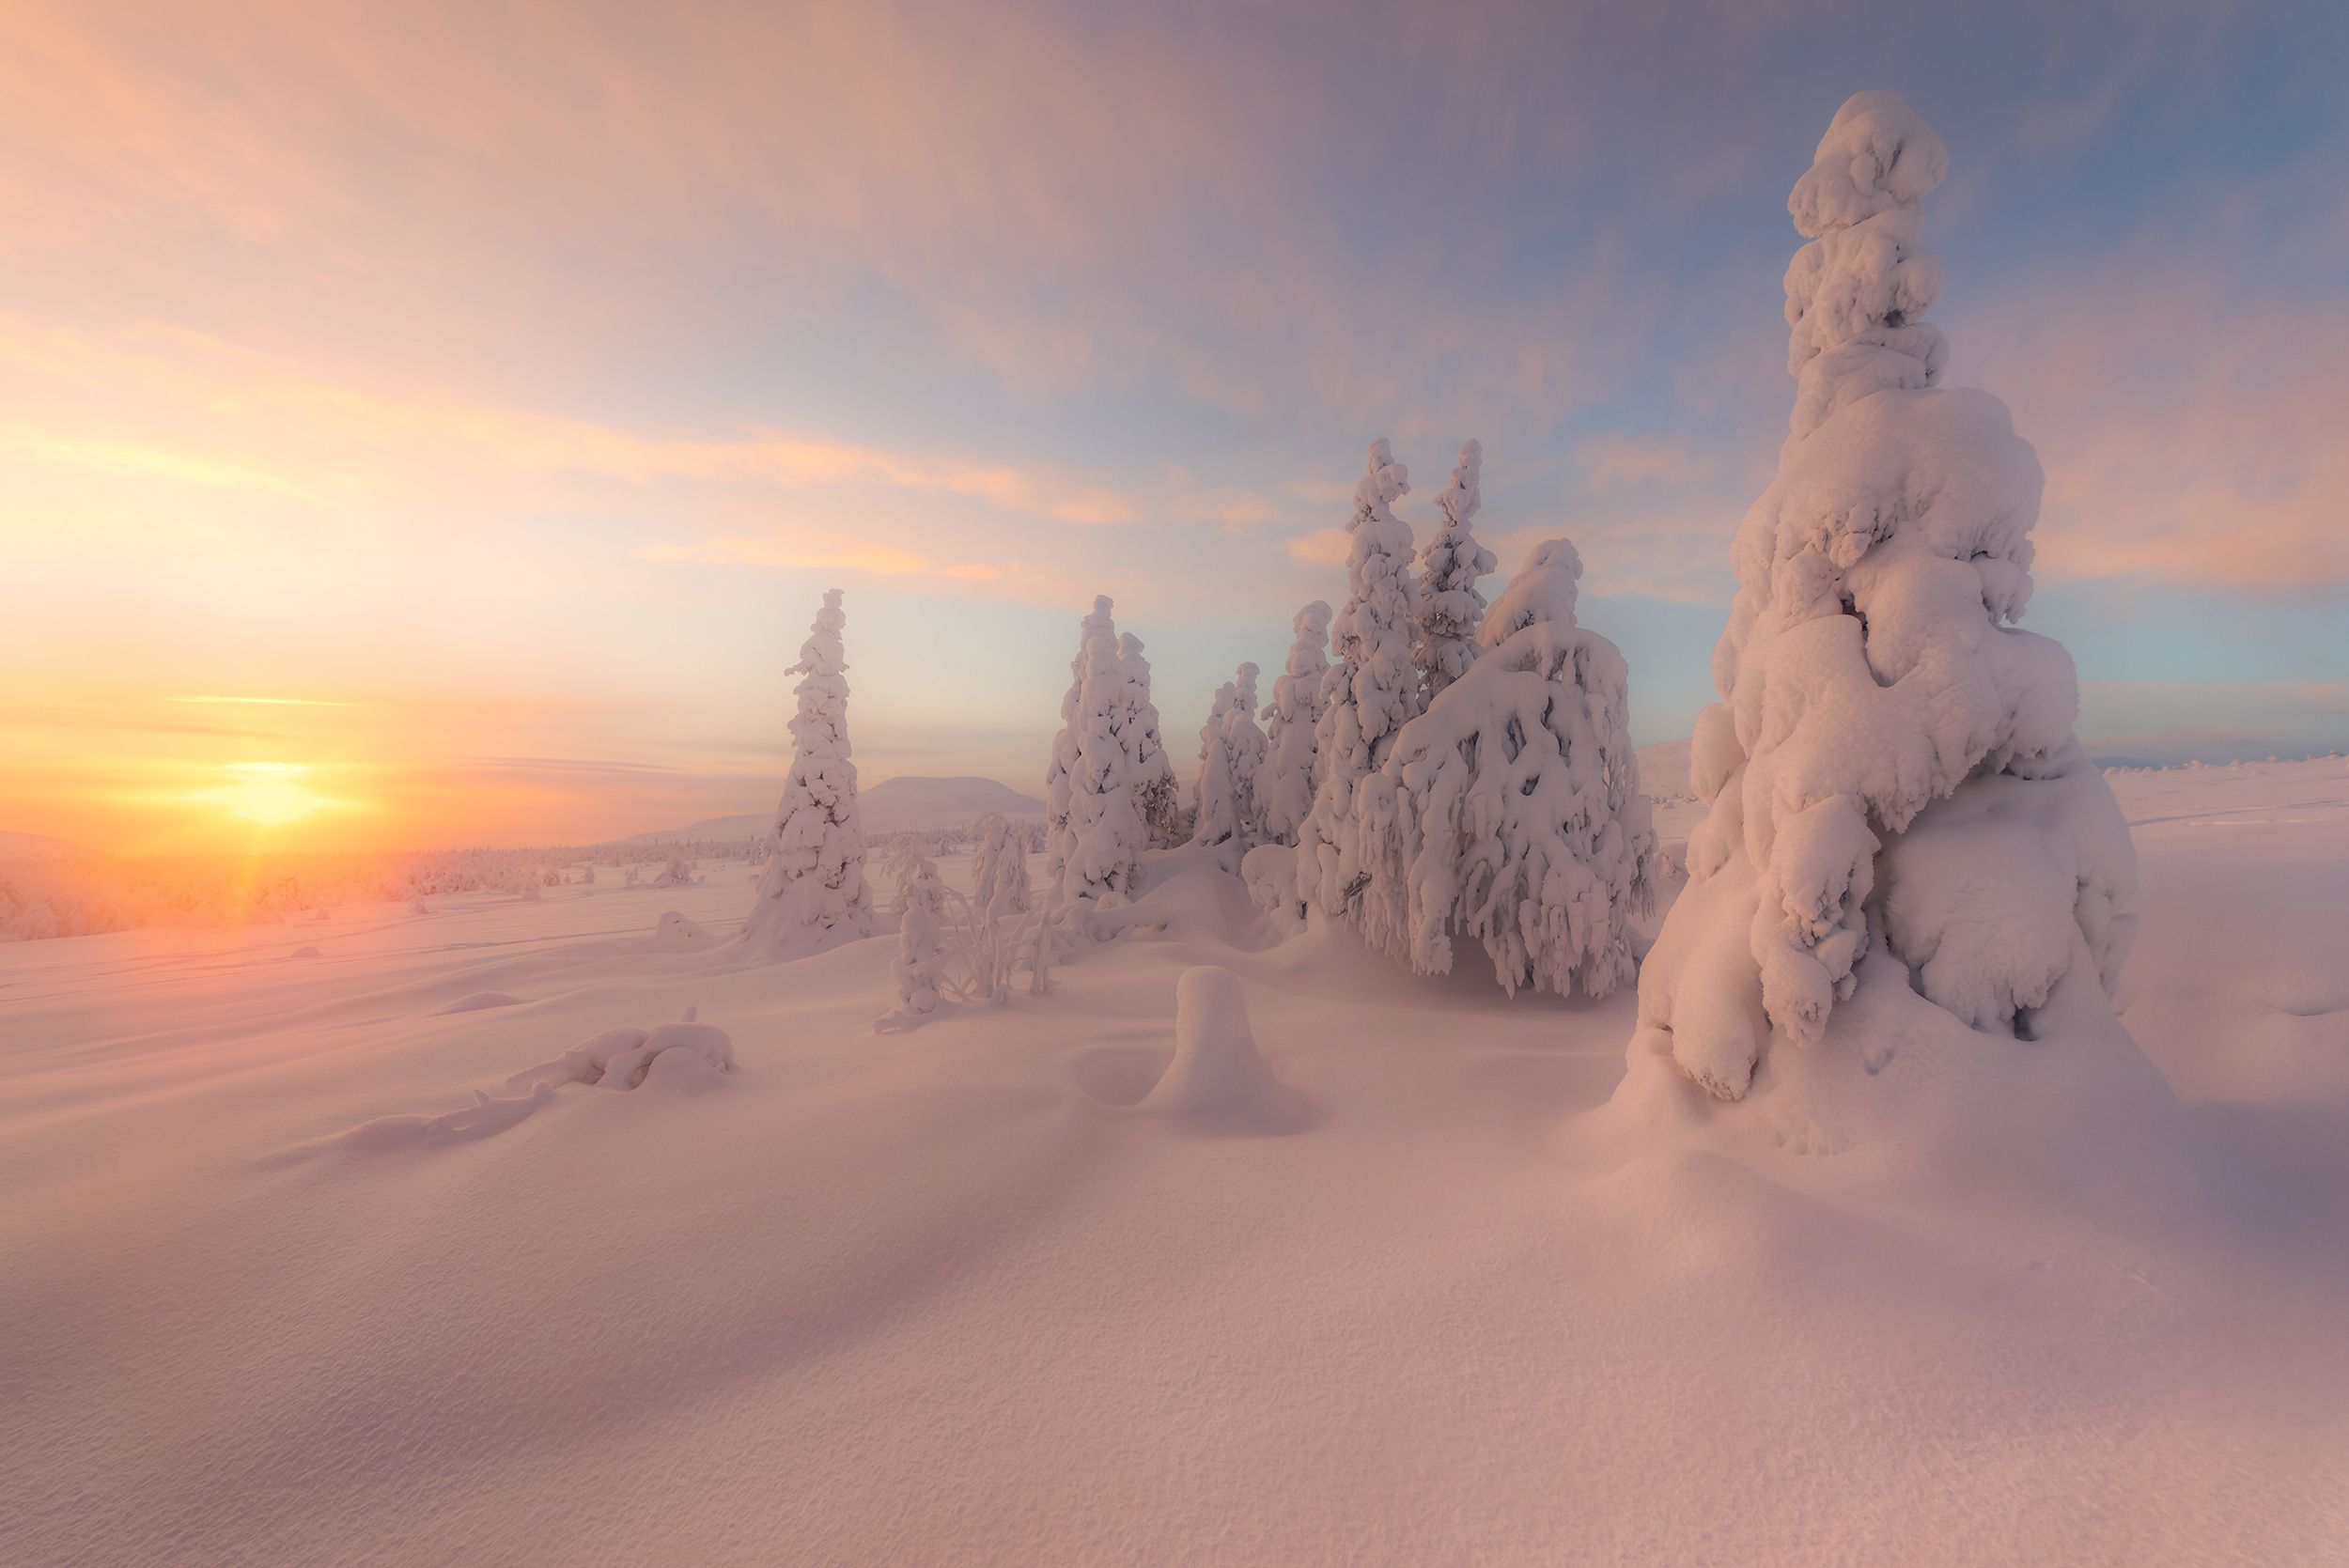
(269, 793)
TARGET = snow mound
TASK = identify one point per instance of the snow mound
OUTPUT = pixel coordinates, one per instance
(628, 1058)
(484, 1118)
(1901, 1105)
(1218, 1077)
(673, 933)
(476, 1002)
(304, 953)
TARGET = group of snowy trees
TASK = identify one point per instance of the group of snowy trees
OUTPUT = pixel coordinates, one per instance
(1454, 771)
(1887, 745)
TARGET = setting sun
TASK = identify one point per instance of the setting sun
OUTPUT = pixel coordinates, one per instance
(269, 793)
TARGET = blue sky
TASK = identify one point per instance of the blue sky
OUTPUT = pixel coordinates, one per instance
(510, 381)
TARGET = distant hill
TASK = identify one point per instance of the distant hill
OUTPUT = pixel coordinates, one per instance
(892, 806)
(40, 846)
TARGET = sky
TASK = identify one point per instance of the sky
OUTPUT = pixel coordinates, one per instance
(434, 425)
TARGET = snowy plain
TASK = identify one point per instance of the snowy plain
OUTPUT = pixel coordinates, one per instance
(957, 1295)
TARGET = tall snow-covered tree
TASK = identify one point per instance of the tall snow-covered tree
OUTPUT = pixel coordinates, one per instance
(1511, 812)
(1231, 755)
(1450, 608)
(1374, 688)
(1157, 797)
(1104, 838)
(1284, 790)
(813, 894)
(1892, 767)
(1060, 772)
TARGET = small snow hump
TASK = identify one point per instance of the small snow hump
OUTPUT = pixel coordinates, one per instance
(1217, 1076)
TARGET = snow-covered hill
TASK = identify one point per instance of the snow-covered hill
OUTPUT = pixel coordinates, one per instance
(904, 804)
(39, 846)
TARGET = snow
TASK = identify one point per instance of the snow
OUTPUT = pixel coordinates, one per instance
(956, 1293)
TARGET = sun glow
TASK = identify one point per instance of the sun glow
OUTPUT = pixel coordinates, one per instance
(270, 794)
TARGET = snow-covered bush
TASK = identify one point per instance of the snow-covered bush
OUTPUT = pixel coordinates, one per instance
(1450, 606)
(814, 891)
(1891, 765)
(1511, 812)
(1157, 800)
(1373, 689)
(1231, 755)
(1284, 789)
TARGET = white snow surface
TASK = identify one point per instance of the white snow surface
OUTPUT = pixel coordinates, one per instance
(954, 1295)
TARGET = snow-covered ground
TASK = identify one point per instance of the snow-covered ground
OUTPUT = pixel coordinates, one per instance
(958, 1294)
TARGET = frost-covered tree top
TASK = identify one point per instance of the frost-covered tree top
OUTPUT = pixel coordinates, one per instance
(1374, 686)
(814, 889)
(1544, 589)
(1284, 791)
(1510, 810)
(1451, 609)
(1856, 293)
(1868, 673)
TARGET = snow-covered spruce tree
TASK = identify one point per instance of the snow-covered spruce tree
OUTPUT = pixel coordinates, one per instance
(1060, 772)
(1373, 689)
(1157, 797)
(923, 950)
(1104, 839)
(1450, 608)
(1511, 812)
(1231, 755)
(999, 881)
(813, 894)
(1892, 766)
(1284, 790)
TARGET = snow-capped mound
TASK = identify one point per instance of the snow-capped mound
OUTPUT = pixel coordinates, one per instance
(1217, 1076)
(628, 1058)
(673, 933)
(478, 1002)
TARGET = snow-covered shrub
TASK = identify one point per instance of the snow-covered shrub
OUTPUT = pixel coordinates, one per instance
(1157, 798)
(1891, 765)
(1285, 788)
(1450, 608)
(1374, 690)
(1231, 755)
(814, 891)
(1511, 812)
(676, 874)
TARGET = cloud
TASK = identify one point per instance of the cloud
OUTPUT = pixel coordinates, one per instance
(1323, 546)
(2187, 436)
